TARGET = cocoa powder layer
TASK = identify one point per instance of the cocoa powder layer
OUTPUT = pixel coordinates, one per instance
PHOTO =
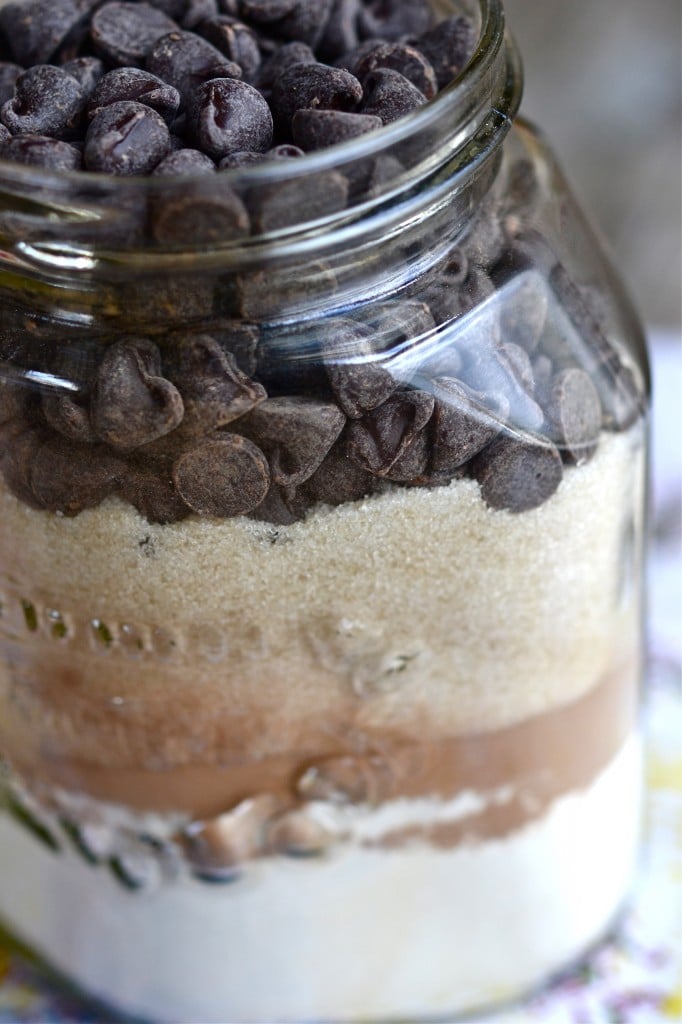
(515, 773)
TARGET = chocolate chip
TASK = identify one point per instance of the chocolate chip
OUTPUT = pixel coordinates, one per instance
(401, 57)
(449, 47)
(226, 476)
(411, 466)
(214, 390)
(359, 380)
(449, 297)
(295, 433)
(240, 340)
(486, 240)
(78, 360)
(197, 12)
(291, 365)
(126, 138)
(8, 76)
(281, 506)
(516, 475)
(157, 302)
(235, 40)
(186, 161)
(339, 478)
(351, 57)
(282, 58)
(173, 8)
(265, 11)
(506, 370)
(152, 492)
(274, 207)
(264, 295)
(423, 350)
(186, 61)
(529, 250)
(247, 158)
(522, 194)
(285, 151)
(523, 302)
(455, 266)
(305, 21)
(394, 324)
(46, 101)
(209, 213)
(438, 357)
(16, 461)
(244, 158)
(135, 84)
(126, 32)
(378, 440)
(36, 29)
(67, 478)
(227, 116)
(340, 32)
(395, 19)
(517, 361)
(574, 409)
(177, 131)
(316, 129)
(42, 151)
(622, 394)
(69, 417)
(316, 86)
(131, 403)
(389, 95)
(13, 399)
(86, 70)
(462, 426)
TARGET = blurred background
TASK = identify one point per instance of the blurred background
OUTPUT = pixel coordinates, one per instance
(604, 81)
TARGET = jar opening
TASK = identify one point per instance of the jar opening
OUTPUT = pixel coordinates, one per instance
(81, 209)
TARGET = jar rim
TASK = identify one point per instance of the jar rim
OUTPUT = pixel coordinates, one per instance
(453, 98)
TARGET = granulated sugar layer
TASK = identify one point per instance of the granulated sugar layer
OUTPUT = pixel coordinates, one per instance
(415, 605)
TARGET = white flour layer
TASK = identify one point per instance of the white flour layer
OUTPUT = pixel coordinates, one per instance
(365, 933)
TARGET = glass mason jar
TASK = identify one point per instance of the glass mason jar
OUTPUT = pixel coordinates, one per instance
(320, 573)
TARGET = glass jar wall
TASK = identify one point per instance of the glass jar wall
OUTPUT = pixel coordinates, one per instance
(320, 573)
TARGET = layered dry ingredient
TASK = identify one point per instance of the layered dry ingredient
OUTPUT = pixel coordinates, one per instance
(316, 714)
(331, 597)
(363, 785)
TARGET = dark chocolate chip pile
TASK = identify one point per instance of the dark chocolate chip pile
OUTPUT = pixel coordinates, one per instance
(230, 416)
(129, 88)
(215, 424)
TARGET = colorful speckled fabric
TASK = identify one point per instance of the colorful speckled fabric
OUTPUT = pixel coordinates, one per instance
(635, 977)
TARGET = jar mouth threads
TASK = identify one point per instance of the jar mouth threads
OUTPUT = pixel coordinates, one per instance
(324, 187)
